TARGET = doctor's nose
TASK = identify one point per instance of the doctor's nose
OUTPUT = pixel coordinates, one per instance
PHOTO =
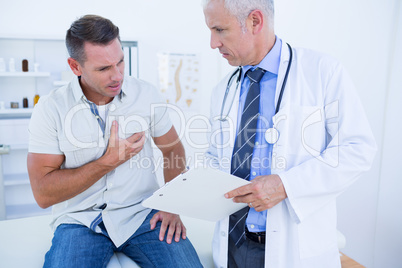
(215, 42)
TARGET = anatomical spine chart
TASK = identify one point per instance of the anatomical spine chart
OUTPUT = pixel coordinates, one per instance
(179, 79)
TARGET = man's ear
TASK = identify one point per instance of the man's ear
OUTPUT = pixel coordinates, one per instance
(257, 20)
(75, 66)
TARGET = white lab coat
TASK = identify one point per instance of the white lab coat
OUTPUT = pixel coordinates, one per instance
(325, 143)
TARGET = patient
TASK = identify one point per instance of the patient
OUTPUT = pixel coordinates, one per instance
(83, 143)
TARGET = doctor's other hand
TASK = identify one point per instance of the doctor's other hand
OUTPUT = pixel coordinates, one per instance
(120, 150)
(263, 192)
(171, 221)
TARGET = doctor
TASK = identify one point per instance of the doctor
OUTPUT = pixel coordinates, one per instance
(289, 121)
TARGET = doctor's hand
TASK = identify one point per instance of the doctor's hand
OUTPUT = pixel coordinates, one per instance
(262, 193)
(171, 221)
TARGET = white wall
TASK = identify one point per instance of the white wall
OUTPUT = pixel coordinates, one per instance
(159, 26)
(360, 33)
(388, 239)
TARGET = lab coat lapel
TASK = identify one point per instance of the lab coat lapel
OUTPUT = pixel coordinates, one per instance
(284, 61)
(229, 126)
(281, 120)
(233, 115)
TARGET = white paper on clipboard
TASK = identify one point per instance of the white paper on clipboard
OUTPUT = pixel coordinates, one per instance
(198, 193)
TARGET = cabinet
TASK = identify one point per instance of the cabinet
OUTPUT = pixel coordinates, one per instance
(16, 198)
(15, 191)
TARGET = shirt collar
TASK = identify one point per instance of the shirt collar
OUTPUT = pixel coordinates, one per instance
(270, 62)
(78, 94)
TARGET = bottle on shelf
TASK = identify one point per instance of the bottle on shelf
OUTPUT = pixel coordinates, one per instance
(36, 99)
(25, 65)
(36, 67)
(11, 65)
(25, 102)
(2, 65)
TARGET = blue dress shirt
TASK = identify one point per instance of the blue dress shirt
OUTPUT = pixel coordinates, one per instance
(262, 154)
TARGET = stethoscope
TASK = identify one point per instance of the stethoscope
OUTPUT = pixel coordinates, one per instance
(271, 134)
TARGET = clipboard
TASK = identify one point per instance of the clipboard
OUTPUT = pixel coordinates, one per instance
(198, 193)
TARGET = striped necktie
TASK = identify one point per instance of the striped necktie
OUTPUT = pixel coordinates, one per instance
(243, 150)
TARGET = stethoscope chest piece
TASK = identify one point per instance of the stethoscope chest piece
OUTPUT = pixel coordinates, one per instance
(271, 135)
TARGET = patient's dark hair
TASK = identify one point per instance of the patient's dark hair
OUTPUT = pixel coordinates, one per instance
(89, 28)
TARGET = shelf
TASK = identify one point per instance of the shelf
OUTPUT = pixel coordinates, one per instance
(4, 149)
(33, 37)
(16, 179)
(26, 210)
(24, 74)
(16, 113)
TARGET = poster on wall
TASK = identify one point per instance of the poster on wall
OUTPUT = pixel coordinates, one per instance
(179, 79)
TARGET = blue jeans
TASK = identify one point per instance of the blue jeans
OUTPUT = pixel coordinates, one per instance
(76, 245)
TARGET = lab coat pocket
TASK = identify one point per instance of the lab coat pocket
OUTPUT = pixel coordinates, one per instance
(317, 233)
(302, 130)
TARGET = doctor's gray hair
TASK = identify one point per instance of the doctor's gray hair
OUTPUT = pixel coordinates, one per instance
(242, 8)
(89, 28)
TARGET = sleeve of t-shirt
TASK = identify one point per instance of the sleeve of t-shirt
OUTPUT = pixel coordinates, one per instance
(160, 120)
(42, 129)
